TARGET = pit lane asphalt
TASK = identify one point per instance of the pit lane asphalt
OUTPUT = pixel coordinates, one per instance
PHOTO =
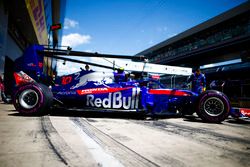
(87, 139)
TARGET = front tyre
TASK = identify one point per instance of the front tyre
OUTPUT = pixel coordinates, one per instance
(32, 99)
(213, 106)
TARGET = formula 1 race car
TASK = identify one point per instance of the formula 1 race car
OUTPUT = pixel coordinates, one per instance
(35, 93)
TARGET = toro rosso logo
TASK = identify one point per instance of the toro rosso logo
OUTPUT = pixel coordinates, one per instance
(99, 77)
(115, 99)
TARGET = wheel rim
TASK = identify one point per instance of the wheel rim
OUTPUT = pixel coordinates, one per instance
(28, 99)
(213, 106)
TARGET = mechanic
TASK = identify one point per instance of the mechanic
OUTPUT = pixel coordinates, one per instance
(120, 75)
(198, 81)
(87, 67)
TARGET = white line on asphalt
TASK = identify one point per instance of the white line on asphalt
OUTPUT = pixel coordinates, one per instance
(99, 154)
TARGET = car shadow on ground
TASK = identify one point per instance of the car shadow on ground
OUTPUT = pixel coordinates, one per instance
(192, 118)
(111, 115)
(96, 114)
(120, 115)
(238, 121)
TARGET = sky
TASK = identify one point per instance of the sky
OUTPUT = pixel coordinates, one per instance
(127, 27)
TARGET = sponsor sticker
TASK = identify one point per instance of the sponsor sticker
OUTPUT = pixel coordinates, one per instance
(100, 90)
(114, 100)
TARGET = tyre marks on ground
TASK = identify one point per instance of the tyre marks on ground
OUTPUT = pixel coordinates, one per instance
(191, 131)
(68, 157)
(125, 155)
(231, 146)
(58, 145)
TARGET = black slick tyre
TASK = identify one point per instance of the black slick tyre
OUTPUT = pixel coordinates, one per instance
(213, 106)
(32, 99)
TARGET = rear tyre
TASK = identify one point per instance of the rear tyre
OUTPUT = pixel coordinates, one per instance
(31, 99)
(213, 106)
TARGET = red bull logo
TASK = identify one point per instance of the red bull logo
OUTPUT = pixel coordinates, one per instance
(115, 100)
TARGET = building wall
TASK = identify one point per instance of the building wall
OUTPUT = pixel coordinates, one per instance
(229, 31)
(13, 51)
(26, 22)
(211, 45)
(37, 15)
(3, 34)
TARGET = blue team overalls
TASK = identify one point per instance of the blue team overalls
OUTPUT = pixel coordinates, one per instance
(198, 82)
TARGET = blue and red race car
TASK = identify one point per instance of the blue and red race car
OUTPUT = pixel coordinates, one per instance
(107, 91)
